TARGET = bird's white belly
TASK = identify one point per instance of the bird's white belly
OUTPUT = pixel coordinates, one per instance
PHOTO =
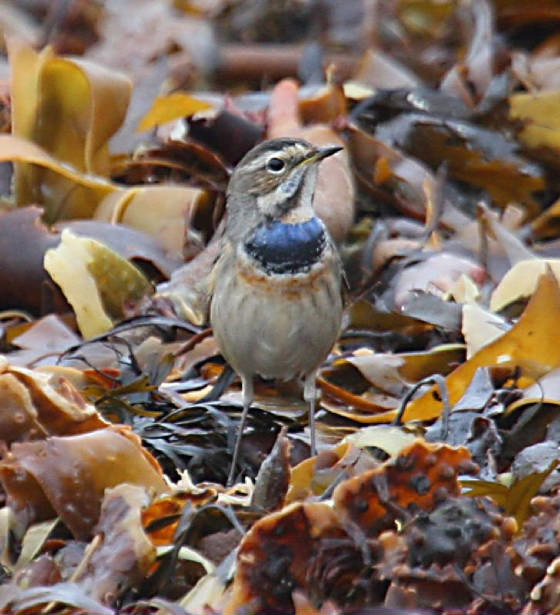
(275, 332)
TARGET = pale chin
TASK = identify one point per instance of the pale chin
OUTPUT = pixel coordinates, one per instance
(272, 203)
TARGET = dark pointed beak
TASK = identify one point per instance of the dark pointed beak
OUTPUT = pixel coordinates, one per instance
(325, 152)
(321, 153)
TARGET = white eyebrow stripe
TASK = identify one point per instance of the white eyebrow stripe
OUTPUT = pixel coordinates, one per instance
(257, 163)
(289, 151)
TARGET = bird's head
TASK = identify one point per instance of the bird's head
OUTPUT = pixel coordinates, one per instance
(274, 181)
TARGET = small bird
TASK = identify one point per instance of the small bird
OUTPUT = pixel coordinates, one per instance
(276, 305)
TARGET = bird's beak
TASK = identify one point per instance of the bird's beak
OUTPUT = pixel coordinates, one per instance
(323, 152)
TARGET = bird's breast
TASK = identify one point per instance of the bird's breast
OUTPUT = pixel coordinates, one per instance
(278, 326)
(281, 248)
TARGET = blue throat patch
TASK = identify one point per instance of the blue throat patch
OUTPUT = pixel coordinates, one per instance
(287, 248)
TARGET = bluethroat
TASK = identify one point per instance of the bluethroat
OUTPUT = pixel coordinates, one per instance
(276, 305)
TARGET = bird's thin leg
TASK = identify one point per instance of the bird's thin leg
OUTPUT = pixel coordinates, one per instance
(310, 396)
(247, 392)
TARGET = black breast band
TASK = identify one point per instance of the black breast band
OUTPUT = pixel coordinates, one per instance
(287, 248)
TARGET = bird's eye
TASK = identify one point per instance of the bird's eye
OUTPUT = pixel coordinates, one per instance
(276, 165)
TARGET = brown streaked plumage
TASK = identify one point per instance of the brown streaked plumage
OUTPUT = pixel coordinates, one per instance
(276, 305)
